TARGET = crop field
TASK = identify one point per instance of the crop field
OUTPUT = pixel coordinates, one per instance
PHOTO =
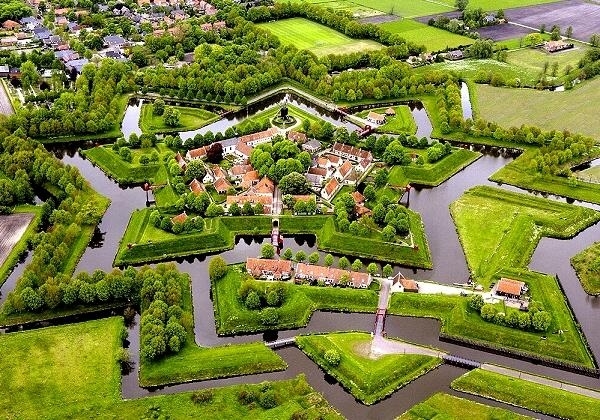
(582, 15)
(365, 8)
(317, 38)
(12, 227)
(572, 110)
(434, 39)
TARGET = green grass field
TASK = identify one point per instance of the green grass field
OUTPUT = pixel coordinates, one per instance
(319, 39)
(233, 317)
(535, 397)
(191, 119)
(402, 122)
(405, 8)
(500, 229)
(434, 39)
(72, 372)
(587, 267)
(591, 174)
(571, 110)
(368, 379)
(432, 174)
(449, 407)
(521, 174)
(267, 115)
(535, 59)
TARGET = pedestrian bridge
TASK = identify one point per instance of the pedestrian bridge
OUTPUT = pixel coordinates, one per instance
(284, 342)
(460, 361)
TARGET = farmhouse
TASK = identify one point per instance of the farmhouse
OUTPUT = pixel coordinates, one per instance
(555, 46)
(222, 185)
(331, 276)
(253, 199)
(510, 288)
(375, 118)
(269, 269)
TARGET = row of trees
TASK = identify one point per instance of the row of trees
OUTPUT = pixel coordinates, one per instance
(536, 319)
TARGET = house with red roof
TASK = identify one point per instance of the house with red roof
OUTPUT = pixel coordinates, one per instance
(266, 269)
(197, 187)
(222, 185)
(330, 189)
(331, 276)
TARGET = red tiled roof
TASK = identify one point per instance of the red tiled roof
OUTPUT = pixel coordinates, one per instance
(358, 197)
(390, 111)
(243, 148)
(197, 153)
(356, 152)
(237, 170)
(345, 168)
(317, 171)
(256, 267)
(180, 218)
(510, 287)
(249, 179)
(221, 185)
(409, 284)
(331, 186)
(306, 197)
(260, 135)
(196, 187)
(318, 272)
(375, 116)
(265, 200)
(264, 186)
(297, 136)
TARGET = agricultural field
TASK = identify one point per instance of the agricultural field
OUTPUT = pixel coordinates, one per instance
(454, 408)
(366, 8)
(317, 38)
(532, 396)
(569, 110)
(12, 229)
(369, 378)
(554, 64)
(434, 39)
(190, 119)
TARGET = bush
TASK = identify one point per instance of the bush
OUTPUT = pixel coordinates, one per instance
(488, 312)
(541, 321)
(203, 396)
(247, 396)
(332, 357)
(267, 251)
(252, 300)
(267, 400)
(273, 298)
(476, 302)
(269, 316)
(217, 268)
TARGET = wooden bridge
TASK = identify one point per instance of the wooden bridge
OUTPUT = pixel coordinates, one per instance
(460, 361)
(283, 342)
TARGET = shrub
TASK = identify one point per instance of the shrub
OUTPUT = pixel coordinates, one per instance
(273, 298)
(247, 396)
(488, 312)
(332, 357)
(203, 396)
(267, 400)
(217, 268)
(252, 300)
(541, 320)
(476, 302)
(269, 316)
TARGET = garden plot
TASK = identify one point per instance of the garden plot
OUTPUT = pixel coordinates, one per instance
(12, 228)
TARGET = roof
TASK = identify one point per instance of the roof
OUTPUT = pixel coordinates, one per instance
(297, 136)
(237, 170)
(390, 111)
(317, 171)
(196, 187)
(10, 24)
(180, 218)
(375, 116)
(329, 273)
(265, 200)
(331, 186)
(361, 210)
(306, 197)
(357, 152)
(312, 145)
(114, 39)
(509, 286)
(345, 168)
(409, 284)
(264, 186)
(260, 135)
(256, 266)
(358, 197)
(222, 184)
(243, 148)
(249, 178)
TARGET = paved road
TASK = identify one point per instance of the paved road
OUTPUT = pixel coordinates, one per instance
(5, 105)
(542, 380)
(277, 207)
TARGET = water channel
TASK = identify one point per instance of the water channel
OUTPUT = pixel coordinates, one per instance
(551, 256)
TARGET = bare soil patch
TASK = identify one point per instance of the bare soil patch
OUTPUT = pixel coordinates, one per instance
(12, 228)
(379, 19)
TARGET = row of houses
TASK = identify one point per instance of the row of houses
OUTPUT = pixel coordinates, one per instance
(283, 270)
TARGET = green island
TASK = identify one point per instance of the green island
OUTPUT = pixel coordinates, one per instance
(586, 265)
(456, 408)
(532, 396)
(189, 119)
(218, 174)
(368, 377)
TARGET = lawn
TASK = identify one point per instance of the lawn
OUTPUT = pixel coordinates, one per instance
(346, 6)
(233, 317)
(402, 122)
(434, 39)
(407, 9)
(535, 397)
(366, 378)
(587, 267)
(195, 363)
(499, 229)
(317, 38)
(444, 406)
(535, 59)
(191, 119)
(260, 118)
(121, 171)
(571, 110)
(590, 174)
(72, 372)
(432, 174)
(521, 174)
(143, 242)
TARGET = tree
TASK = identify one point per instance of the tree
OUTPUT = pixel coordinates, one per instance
(387, 270)
(343, 263)
(287, 254)
(555, 34)
(314, 258)
(388, 233)
(332, 357)
(158, 107)
(476, 302)
(395, 154)
(273, 298)
(214, 154)
(569, 32)
(595, 40)
(267, 251)
(540, 320)
(195, 169)
(369, 193)
(217, 268)
(372, 269)
(300, 256)
(234, 209)
(381, 178)
(252, 300)
(488, 312)
(481, 48)
(328, 260)
(171, 116)
(461, 4)
(294, 183)
(357, 265)
(29, 74)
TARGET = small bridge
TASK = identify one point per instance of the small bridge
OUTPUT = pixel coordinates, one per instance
(379, 322)
(460, 361)
(284, 342)
(275, 237)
